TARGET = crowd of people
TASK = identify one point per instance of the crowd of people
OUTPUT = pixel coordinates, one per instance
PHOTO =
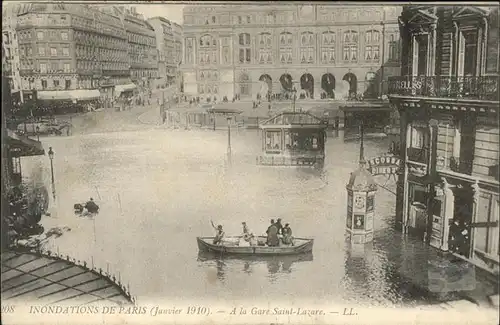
(277, 234)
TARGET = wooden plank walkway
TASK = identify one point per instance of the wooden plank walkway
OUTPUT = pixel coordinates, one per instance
(50, 280)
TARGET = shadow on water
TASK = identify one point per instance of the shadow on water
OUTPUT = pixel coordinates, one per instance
(274, 264)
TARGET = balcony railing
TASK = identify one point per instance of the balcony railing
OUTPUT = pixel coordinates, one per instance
(484, 88)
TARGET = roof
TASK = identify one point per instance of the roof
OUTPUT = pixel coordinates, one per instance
(294, 118)
(50, 280)
(361, 180)
(22, 146)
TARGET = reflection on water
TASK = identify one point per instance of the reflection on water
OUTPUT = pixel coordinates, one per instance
(248, 264)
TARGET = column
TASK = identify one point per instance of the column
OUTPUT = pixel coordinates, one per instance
(449, 206)
(476, 190)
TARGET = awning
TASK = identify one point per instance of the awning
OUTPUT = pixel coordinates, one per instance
(22, 146)
(122, 88)
(55, 95)
(79, 94)
(85, 94)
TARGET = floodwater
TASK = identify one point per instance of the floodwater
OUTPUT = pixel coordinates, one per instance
(158, 189)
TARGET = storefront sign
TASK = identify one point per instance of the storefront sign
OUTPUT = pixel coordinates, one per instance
(385, 165)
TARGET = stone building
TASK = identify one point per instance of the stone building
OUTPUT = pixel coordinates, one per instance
(241, 49)
(178, 33)
(142, 50)
(71, 47)
(10, 48)
(448, 102)
(164, 45)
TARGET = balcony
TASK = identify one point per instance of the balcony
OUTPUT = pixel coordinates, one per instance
(482, 88)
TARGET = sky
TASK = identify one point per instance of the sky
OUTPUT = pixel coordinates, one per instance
(170, 11)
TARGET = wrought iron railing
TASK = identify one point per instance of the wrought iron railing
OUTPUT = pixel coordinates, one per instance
(484, 87)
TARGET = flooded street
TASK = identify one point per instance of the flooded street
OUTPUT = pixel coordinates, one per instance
(159, 189)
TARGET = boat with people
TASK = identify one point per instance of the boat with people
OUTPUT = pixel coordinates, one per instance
(277, 241)
(231, 246)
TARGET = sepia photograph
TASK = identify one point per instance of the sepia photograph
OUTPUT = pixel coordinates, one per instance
(250, 162)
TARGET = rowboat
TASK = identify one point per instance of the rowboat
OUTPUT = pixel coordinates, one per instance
(230, 246)
(210, 256)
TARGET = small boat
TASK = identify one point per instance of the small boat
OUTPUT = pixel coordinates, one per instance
(230, 246)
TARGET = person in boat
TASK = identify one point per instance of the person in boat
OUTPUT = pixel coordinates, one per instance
(279, 226)
(247, 234)
(91, 206)
(287, 235)
(272, 235)
(219, 234)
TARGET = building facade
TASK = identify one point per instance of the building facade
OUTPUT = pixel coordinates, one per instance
(142, 50)
(178, 33)
(448, 102)
(241, 49)
(10, 48)
(164, 45)
(71, 47)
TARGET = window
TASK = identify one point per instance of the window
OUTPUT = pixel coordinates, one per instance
(307, 47)
(39, 35)
(64, 36)
(350, 46)
(486, 237)
(249, 19)
(393, 49)
(244, 52)
(286, 47)
(245, 83)
(66, 51)
(265, 48)
(44, 84)
(468, 53)
(43, 68)
(53, 51)
(372, 46)
(41, 51)
(420, 47)
(328, 47)
(213, 20)
(240, 20)
(67, 67)
(273, 140)
(56, 83)
(417, 137)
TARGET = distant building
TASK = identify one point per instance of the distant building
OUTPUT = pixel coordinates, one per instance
(448, 103)
(71, 47)
(178, 34)
(142, 49)
(242, 49)
(10, 47)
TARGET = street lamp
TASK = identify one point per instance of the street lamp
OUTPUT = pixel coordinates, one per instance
(37, 133)
(228, 139)
(51, 157)
(294, 97)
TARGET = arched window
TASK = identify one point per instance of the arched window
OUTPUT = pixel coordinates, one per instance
(372, 46)
(244, 48)
(350, 46)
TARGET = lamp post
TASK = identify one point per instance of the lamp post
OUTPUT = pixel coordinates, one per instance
(229, 139)
(294, 97)
(51, 157)
(37, 133)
